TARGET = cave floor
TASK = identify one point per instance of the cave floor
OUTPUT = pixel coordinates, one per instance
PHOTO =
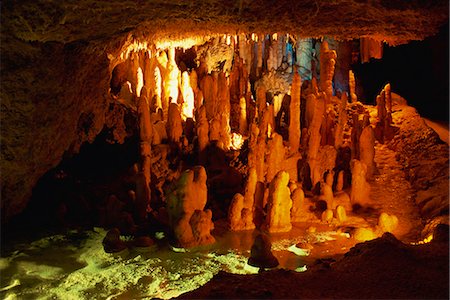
(74, 265)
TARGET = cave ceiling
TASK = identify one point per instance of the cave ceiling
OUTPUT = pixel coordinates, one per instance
(393, 21)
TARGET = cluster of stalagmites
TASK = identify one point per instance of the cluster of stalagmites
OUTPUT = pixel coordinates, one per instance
(309, 154)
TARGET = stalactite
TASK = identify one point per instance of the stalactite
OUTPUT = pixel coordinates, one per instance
(303, 57)
(294, 113)
(279, 203)
(275, 157)
(327, 62)
(259, 55)
(162, 62)
(370, 48)
(352, 86)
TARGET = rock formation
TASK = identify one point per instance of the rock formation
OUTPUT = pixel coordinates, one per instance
(278, 217)
(185, 203)
(367, 150)
(294, 115)
(261, 255)
(360, 187)
(327, 62)
(275, 157)
(352, 86)
(174, 126)
(298, 211)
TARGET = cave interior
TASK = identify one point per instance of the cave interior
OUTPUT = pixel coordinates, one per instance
(224, 150)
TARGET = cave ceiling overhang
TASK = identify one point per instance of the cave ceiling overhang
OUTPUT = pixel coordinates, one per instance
(392, 21)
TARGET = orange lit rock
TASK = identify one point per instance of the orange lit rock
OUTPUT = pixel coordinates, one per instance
(207, 87)
(185, 204)
(327, 216)
(250, 189)
(367, 150)
(360, 187)
(260, 100)
(387, 223)
(294, 113)
(214, 130)
(324, 162)
(278, 217)
(242, 116)
(364, 234)
(275, 156)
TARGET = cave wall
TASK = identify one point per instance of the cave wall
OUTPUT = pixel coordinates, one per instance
(53, 100)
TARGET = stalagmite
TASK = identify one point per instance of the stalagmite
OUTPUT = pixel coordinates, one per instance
(388, 94)
(314, 135)
(261, 255)
(327, 62)
(367, 150)
(143, 183)
(239, 216)
(327, 195)
(207, 87)
(202, 129)
(250, 189)
(327, 216)
(223, 109)
(360, 187)
(185, 203)
(174, 126)
(294, 110)
(162, 71)
(260, 100)
(275, 158)
(278, 217)
(298, 211)
(352, 86)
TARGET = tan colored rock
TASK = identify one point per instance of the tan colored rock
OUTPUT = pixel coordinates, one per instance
(327, 216)
(278, 217)
(185, 204)
(367, 150)
(275, 157)
(294, 113)
(242, 116)
(174, 125)
(387, 223)
(360, 187)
